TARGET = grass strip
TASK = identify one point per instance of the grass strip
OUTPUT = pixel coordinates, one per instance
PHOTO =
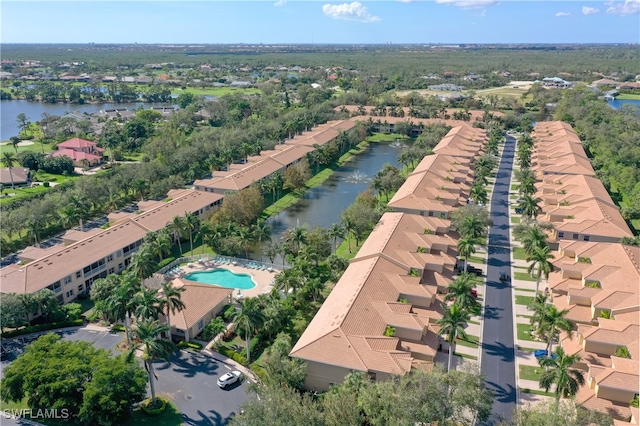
(524, 300)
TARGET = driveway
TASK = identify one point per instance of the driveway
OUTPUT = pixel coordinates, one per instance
(189, 380)
(498, 354)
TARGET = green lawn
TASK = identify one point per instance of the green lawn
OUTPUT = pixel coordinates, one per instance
(470, 342)
(523, 332)
(524, 300)
(523, 276)
(387, 137)
(537, 392)
(36, 147)
(215, 91)
(170, 417)
(519, 253)
(477, 259)
(530, 372)
(627, 97)
(13, 405)
(515, 219)
(514, 187)
(466, 356)
(525, 289)
(524, 349)
(343, 249)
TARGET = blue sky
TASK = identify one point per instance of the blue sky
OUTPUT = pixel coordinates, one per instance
(288, 21)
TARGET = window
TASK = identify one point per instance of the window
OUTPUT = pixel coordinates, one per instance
(70, 293)
(119, 253)
(560, 234)
(80, 288)
(421, 213)
(109, 258)
(112, 270)
(56, 287)
(200, 325)
(120, 266)
(67, 280)
(575, 236)
(585, 238)
(430, 214)
(79, 274)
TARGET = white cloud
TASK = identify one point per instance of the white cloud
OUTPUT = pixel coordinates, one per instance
(407, 1)
(355, 11)
(470, 4)
(280, 3)
(563, 14)
(586, 10)
(628, 7)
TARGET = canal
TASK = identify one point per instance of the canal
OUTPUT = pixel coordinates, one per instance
(322, 206)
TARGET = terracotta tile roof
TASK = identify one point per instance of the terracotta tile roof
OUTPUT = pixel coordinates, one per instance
(77, 143)
(587, 399)
(199, 299)
(66, 260)
(76, 155)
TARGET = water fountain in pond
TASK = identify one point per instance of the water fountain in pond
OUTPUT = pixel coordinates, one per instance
(397, 144)
(357, 177)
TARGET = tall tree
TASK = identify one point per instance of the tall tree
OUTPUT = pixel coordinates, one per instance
(249, 318)
(452, 326)
(147, 334)
(192, 223)
(529, 206)
(558, 372)
(120, 303)
(148, 304)
(171, 301)
(539, 260)
(143, 264)
(9, 160)
(460, 292)
(336, 231)
(554, 321)
(467, 247)
(177, 228)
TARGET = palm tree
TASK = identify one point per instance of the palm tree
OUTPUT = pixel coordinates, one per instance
(460, 292)
(452, 326)
(529, 206)
(532, 238)
(539, 259)
(467, 247)
(248, 318)
(158, 243)
(478, 193)
(295, 238)
(147, 304)
(558, 372)
(119, 305)
(336, 231)
(261, 231)
(205, 234)
(9, 160)
(153, 348)
(177, 227)
(527, 186)
(554, 321)
(143, 264)
(81, 208)
(172, 301)
(472, 227)
(191, 224)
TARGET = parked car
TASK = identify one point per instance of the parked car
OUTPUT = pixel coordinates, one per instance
(518, 211)
(474, 270)
(229, 378)
(543, 353)
(504, 277)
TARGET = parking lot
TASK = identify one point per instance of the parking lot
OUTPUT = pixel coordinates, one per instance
(189, 379)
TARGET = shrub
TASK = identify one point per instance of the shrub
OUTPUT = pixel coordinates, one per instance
(161, 402)
(46, 184)
(165, 262)
(73, 311)
(190, 345)
(228, 312)
(117, 327)
(238, 358)
(42, 327)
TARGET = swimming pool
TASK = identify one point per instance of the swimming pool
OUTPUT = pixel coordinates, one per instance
(223, 278)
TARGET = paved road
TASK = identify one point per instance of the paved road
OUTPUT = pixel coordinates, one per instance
(498, 354)
(189, 380)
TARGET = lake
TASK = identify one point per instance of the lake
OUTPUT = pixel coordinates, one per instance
(9, 111)
(617, 103)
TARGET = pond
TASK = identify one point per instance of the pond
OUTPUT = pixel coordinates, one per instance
(323, 205)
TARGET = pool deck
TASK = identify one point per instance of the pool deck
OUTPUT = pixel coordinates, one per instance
(263, 279)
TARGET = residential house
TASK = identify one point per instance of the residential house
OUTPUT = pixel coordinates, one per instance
(81, 151)
(202, 303)
(20, 176)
